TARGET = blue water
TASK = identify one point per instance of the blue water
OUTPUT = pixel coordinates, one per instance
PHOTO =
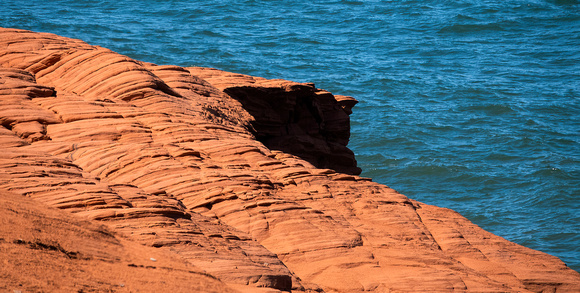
(470, 105)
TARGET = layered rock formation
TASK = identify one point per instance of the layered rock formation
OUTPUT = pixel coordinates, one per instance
(225, 174)
(47, 250)
(292, 117)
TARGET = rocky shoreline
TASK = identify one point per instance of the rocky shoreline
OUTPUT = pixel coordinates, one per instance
(196, 179)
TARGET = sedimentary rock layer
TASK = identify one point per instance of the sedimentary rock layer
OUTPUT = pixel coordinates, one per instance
(293, 117)
(47, 250)
(245, 178)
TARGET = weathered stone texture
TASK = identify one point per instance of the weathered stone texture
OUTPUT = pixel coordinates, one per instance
(246, 178)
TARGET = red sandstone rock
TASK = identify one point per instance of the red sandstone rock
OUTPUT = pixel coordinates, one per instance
(292, 117)
(46, 250)
(218, 171)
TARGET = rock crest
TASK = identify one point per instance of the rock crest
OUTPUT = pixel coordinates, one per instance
(246, 179)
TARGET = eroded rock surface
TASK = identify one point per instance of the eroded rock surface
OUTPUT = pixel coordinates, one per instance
(219, 169)
(43, 249)
(292, 117)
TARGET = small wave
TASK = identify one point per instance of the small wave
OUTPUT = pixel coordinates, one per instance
(418, 171)
(491, 109)
(304, 40)
(471, 28)
(462, 17)
(551, 173)
(565, 2)
(502, 157)
(209, 33)
(440, 129)
(351, 2)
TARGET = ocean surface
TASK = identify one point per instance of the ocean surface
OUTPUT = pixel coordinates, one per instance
(469, 105)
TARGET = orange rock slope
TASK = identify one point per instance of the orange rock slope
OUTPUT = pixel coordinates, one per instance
(229, 178)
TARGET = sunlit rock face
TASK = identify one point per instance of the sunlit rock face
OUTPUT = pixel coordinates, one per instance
(245, 178)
